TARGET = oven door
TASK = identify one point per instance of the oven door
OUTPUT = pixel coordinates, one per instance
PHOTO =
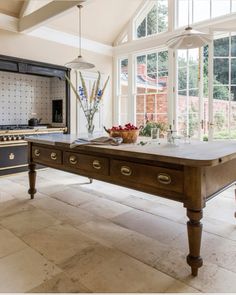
(13, 156)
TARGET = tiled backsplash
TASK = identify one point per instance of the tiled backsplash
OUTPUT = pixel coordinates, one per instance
(23, 95)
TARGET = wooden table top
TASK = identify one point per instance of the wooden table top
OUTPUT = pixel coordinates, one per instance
(197, 153)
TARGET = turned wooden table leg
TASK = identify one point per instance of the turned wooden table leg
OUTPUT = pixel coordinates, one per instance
(194, 237)
(32, 179)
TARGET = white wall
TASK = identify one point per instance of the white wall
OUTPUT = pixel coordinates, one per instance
(28, 47)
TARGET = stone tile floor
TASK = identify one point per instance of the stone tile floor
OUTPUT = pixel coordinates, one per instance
(80, 237)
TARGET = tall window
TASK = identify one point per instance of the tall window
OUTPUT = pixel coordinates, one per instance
(153, 19)
(188, 99)
(123, 90)
(224, 87)
(200, 10)
(151, 87)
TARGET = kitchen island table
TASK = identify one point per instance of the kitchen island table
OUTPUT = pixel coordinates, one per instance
(189, 173)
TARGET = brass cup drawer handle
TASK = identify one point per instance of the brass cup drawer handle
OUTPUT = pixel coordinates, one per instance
(97, 165)
(126, 171)
(37, 152)
(73, 160)
(53, 156)
(11, 156)
(164, 178)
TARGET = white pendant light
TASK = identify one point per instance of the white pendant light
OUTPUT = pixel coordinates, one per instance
(189, 38)
(79, 63)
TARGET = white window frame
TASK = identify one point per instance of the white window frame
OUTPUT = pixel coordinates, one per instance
(157, 42)
(211, 84)
(191, 19)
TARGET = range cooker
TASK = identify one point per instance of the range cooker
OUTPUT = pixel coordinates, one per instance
(13, 146)
(17, 132)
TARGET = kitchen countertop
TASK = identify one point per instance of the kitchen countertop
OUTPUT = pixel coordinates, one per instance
(197, 153)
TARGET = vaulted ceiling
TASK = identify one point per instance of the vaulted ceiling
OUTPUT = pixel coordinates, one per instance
(102, 19)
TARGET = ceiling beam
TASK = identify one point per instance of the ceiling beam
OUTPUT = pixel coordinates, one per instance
(8, 23)
(27, 7)
(45, 14)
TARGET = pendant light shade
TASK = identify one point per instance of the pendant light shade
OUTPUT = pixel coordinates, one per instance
(189, 39)
(79, 63)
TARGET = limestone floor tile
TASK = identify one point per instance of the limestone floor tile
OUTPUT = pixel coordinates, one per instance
(111, 191)
(104, 231)
(105, 208)
(221, 208)
(150, 206)
(104, 269)
(222, 252)
(229, 192)
(211, 278)
(215, 249)
(61, 283)
(24, 270)
(232, 235)
(138, 203)
(5, 197)
(79, 265)
(14, 206)
(58, 243)
(141, 247)
(104, 192)
(179, 287)
(174, 213)
(218, 227)
(13, 188)
(62, 177)
(62, 211)
(22, 178)
(28, 221)
(50, 187)
(9, 243)
(125, 274)
(150, 225)
(74, 196)
(38, 195)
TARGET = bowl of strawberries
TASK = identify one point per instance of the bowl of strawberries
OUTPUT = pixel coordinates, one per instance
(129, 133)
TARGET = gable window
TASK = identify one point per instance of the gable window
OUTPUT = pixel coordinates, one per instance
(153, 19)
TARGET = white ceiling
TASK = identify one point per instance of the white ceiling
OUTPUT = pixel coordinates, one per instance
(102, 20)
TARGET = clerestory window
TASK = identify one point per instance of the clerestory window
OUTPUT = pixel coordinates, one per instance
(194, 11)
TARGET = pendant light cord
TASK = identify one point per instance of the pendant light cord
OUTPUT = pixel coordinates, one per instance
(189, 14)
(80, 30)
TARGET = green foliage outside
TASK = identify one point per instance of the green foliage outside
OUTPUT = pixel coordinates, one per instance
(155, 21)
(146, 130)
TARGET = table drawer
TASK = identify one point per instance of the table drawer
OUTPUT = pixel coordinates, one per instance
(87, 163)
(46, 155)
(159, 177)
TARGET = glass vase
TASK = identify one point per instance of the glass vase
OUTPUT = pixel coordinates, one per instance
(90, 129)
